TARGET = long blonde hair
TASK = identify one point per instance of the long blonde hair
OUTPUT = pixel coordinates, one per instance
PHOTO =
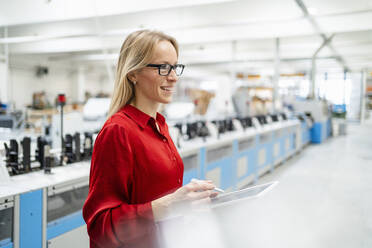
(135, 53)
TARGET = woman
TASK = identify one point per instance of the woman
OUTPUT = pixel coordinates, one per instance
(136, 171)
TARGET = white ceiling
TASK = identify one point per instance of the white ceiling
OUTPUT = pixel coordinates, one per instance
(211, 32)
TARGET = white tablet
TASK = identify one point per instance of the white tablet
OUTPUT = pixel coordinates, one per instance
(243, 194)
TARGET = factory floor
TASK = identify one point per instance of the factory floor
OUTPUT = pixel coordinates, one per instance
(323, 199)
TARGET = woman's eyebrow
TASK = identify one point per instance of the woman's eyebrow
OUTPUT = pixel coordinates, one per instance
(166, 62)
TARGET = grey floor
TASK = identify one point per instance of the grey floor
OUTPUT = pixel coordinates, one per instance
(323, 199)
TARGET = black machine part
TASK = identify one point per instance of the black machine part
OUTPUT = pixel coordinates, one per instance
(308, 114)
(48, 160)
(179, 127)
(77, 147)
(300, 117)
(26, 149)
(12, 157)
(88, 145)
(246, 122)
(41, 143)
(221, 125)
(274, 118)
(68, 148)
(192, 130)
(202, 129)
(261, 119)
(229, 124)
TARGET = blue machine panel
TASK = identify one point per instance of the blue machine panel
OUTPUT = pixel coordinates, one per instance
(217, 164)
(245, 151)
(305, 133)
(30, 228)
(64, 211)
(319, 132)
(265, 144)
(250, 158)
(64, 224)
(188, 175)
(283, 146)
(203, 162)
(225, 172)
(316, 133)
(6, 243)
(291, 137)
(282, 151)
(329, 128)
(221, 169)
(191, 167)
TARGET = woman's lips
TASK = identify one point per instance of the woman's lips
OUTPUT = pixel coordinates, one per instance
(167, 88)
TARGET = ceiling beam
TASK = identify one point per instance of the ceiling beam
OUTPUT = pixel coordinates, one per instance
(317, 29)
(260, 60)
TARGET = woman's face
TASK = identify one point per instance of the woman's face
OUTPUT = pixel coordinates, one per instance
(152, 87)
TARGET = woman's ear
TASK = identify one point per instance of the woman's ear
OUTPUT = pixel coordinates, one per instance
(132, 77)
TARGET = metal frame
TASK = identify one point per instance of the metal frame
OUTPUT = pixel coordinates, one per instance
(71, 185)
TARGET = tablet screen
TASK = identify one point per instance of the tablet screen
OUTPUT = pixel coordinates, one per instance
(241, 194)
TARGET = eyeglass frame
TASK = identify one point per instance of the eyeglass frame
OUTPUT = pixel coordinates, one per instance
(172, 67)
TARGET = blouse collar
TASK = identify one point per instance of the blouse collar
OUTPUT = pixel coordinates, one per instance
(140, 117)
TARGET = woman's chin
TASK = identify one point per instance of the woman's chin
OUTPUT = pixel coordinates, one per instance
(166, 100)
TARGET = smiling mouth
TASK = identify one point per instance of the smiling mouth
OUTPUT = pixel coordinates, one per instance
(168, 89)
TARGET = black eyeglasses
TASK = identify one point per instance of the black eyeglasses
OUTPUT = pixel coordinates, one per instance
(165, 69)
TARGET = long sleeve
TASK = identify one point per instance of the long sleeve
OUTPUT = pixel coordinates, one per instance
(112, 221)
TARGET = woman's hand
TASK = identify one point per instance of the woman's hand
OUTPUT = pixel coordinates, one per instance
(196, 192)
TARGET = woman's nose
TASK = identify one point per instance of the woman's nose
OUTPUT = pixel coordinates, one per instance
(172, 75)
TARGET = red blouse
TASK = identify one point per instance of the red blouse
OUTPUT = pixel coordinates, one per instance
(132, 164)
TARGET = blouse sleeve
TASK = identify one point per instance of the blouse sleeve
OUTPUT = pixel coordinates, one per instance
(111, 220)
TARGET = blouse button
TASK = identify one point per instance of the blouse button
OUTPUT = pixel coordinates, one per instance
(179, 180)
(164, 140)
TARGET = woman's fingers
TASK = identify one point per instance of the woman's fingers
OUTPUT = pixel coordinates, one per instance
(213, 194)
(201, 185)
(197, 195)
(195, 190)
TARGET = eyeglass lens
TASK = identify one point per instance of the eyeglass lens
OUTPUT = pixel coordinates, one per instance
(166, 69)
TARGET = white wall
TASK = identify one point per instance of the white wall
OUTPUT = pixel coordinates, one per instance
(356, 91)
(3, 82)
(97, 80)
(220, 83)
(24, 82)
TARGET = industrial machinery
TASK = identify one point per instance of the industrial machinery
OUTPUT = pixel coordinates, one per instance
(321, 115)
(7, 221)
(246, 122)
(45, 158)
(49, 205)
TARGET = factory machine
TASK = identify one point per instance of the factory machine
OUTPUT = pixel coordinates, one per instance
(39, 210)
(42, 194)
(7, 222)
(42, 208)
(319, 112)
(286, 137)
(246, 154)
(234, 152)
(306, 125)
(20, 158)
(265, 144)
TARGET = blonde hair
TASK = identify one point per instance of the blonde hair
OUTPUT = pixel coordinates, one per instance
(135, 53)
